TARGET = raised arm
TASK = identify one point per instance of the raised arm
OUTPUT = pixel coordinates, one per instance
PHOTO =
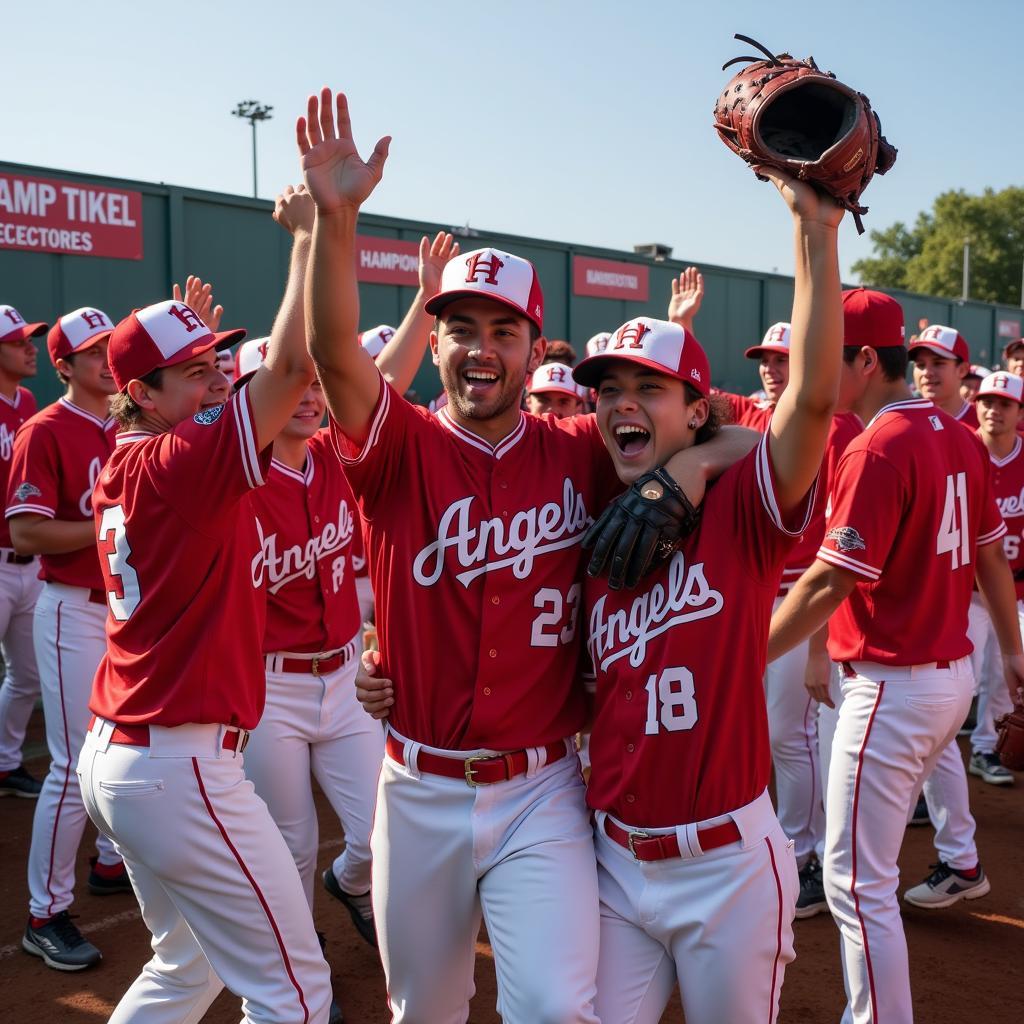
(800, 424)
(339, 182)
(278, 384)
(687, 296)
(401, 357)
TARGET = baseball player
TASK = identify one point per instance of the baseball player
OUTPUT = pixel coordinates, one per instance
(942, 361)
(1013, 355)
(19, 573)
(473, 519)
(912, 521)
(999, 405)
(58, 455)
(376, 338)
(181, 684)
(559, 351)
(551, 389)
(598, 343)
(687, 869)
(972, 381)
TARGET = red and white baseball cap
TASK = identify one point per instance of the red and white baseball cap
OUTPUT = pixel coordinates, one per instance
(657, 344)
(14, 328)
(981, 372)
(945, 342)
(1002, 384)
(376, 338)
(249, 357)
(598, 343)
(872, 318)
(554, 377)
(491, 274)
(1011, 345)
(161, 335)
(776, 339)
(77, 331)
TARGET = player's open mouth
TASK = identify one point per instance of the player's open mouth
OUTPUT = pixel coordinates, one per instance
(480, 380)
(631, 438)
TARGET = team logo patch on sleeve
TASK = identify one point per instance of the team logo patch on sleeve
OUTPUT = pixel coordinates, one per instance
(207, 416)
(26, 491)
(846, 538)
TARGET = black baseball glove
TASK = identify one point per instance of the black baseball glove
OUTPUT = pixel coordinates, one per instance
(640, 529)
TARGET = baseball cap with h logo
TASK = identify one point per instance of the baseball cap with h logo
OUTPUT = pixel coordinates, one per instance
(1002, 384)
(661, 346)
(945, 342)
(554, 377)
(776, 339)
(491, 274)
(77, 331)
(161, 335)
(14, 328)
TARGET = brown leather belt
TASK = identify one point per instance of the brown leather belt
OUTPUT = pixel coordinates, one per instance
(138, 736)
(316, 666)
(478, 770)
(849, 670)
(647, 847)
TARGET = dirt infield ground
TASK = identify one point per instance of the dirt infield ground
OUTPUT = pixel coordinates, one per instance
(966, 963)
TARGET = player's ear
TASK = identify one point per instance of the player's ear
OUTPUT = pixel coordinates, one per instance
(870, 357)
(138, 392)
(961, 369)
(538, 346)
(433, 346)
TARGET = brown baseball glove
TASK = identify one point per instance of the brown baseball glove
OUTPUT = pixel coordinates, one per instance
(786, 113)
(1010, 745)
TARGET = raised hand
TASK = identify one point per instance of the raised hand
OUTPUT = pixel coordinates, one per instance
(433, 257)
(199, 298)
(687, 295)
(336, 176)
(803, 199)
(294, 209)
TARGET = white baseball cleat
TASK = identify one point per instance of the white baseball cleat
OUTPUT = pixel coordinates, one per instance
(946, 886)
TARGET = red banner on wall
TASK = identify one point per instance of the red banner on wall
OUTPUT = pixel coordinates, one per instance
(609, 279)
(387, 261)
(42, 215)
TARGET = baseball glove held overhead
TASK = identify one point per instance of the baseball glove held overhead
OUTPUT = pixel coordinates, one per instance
(786, 113)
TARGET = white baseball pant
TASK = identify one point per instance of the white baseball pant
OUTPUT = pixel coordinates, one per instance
(315, 724)
(522, 853)
(893, 725)
(793, 731)
(215, 881)
(720, 923)
(827, 719)
(69, 641)
(19, 589)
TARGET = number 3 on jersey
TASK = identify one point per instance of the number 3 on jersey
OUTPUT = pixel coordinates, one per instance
(671, 704)
(121, 570)
(954, 534)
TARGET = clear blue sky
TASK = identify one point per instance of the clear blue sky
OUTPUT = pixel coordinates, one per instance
(586, 122)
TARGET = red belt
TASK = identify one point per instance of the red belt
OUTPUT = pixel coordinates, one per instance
(98, 597)
(317, 666)
(478, 770)
(647, 847)
(138, 736)
(849, 670)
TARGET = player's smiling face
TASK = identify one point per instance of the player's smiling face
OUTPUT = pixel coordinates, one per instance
(774, 372)
(644, 417)
(998, 416)
(187, 388)
(306, 419)
(484, 353)
(936, 378)
(557, 403)
(90, 371)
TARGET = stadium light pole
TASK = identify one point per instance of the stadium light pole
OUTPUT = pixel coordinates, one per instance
(967, 269)
(253, 111)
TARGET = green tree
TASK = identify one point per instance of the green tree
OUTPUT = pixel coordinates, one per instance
(928, 257)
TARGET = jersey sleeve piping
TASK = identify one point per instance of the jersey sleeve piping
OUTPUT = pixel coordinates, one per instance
(992, 536)
(766, 487)
(846, 562)
(39, 510)
(376, 425)
(247, 438)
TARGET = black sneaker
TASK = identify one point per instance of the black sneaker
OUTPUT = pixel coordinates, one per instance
(18, 782)
(101, 885)
(920, 815)
(60, 944)
(334, 1015)
(359, 908)
(811, 900)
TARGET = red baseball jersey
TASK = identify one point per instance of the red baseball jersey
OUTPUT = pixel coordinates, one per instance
(912, 500)
(474, 555)
(1008, 485)
(309, 530)
(680, 726)
(13, 412)
(58, 455)
(968, 416)
(745, 412)
(845, 427)
(177, 539)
